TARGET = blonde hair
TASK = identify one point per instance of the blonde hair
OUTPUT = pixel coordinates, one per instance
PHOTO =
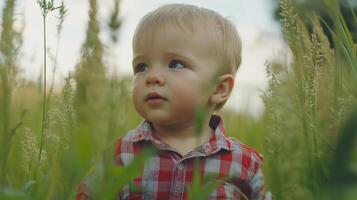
(190, 18)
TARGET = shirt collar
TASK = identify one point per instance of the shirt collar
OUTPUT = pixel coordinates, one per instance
(219, 140)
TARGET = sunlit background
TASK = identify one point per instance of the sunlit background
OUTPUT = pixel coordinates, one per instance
(50, 141)
(260, 32)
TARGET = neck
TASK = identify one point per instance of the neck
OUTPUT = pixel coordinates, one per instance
(184, 133)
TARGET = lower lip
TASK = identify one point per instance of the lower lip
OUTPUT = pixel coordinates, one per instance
(155, 102)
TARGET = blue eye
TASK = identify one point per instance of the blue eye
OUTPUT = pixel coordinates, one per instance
(176, 64)
(140, 67)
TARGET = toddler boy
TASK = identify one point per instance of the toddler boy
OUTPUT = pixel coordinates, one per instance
(184, 62)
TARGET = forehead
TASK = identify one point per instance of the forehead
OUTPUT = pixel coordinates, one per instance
(197, 41)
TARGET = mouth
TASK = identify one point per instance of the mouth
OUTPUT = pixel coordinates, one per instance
(154, 96)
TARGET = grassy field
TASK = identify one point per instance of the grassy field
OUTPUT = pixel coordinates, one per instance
(51, 140)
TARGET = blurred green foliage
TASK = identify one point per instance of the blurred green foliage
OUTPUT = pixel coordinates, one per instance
(307, 134)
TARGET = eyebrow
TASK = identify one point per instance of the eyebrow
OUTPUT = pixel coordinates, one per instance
(167, 54)
(187, 57)
(138, 57)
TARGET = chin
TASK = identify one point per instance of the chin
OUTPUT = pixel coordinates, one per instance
(159, 119)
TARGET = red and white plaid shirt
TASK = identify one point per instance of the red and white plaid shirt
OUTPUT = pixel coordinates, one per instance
(167, 173)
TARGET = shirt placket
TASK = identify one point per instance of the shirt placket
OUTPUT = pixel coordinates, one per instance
(178, 184)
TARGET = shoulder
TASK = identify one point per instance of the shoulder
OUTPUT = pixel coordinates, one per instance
(245, 156)
(126, 148)
(123, 143)
(130, 136)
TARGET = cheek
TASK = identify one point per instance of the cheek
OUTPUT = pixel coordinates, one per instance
(186, 95)
(137, 96)
(137, 88)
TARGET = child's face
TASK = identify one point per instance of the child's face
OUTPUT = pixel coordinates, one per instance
(172, 76)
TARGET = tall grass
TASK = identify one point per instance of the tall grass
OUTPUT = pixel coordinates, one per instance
(308, 102)
(9, 45)
(307, 135)
(46, 7)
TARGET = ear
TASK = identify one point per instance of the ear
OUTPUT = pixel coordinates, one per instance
(223, 89)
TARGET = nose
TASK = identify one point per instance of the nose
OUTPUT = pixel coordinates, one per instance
(154, 77)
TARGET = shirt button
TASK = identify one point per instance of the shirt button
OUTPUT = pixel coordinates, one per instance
(180, 167)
